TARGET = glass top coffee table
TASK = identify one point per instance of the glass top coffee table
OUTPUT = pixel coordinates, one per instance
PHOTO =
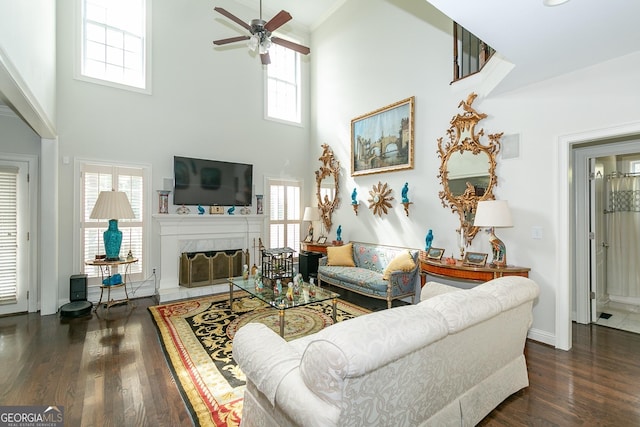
(281, 302)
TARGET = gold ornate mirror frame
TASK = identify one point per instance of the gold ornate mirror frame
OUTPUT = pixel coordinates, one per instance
(464, 177)
(327, 194)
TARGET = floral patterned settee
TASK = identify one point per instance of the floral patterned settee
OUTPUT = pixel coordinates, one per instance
(369, 274)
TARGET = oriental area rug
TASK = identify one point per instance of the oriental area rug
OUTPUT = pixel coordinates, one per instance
(197, 337)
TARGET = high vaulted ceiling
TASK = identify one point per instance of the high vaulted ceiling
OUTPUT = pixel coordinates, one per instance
(542, 42)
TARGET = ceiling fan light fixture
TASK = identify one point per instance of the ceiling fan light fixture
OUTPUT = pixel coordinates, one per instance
(260, 40)
(253, 41)
(265, 45)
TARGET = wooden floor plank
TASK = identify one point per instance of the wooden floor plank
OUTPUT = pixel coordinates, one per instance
(109, 369)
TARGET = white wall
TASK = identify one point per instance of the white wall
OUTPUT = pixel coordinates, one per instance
(28, 60)
(206, 103)
(15, 136)
(362, 70)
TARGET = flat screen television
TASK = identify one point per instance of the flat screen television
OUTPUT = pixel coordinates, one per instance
(211, 182)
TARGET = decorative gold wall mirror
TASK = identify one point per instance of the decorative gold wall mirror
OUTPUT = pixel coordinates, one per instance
(327, 184)
(467, 168)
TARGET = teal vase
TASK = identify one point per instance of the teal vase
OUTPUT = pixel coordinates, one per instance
(112, 240)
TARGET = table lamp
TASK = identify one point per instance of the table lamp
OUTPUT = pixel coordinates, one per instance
(112, 205)
(311, 214)
(492, 214)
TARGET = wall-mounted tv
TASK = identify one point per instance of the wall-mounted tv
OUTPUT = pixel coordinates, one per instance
(211, 182)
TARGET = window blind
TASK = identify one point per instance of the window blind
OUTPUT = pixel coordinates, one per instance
(8, 234)
(284, 214)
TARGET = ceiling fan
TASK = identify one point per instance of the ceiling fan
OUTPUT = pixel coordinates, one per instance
(260, 39)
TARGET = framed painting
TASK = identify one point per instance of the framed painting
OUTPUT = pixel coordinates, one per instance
(476, 259)
(435, 253)
(382, 141)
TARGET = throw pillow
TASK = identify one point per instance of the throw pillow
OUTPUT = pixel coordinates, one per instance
(402, 262)
(340, 255)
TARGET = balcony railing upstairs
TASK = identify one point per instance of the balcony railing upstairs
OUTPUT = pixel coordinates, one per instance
(470, 53)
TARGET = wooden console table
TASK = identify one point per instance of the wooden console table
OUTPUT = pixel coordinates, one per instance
(315, 247)
(467, 273)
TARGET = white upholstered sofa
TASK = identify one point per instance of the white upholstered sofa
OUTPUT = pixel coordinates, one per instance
(447, 361)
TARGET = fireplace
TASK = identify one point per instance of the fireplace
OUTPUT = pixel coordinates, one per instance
(200, 233)
(211, 267)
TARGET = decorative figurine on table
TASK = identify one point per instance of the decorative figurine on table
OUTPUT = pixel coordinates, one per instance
(297, 287)
(277, 290)
(245, 272)
(290, 291)
(312, 287)
(339, 234)
(231, 210)
(405, 198)
(428, 240)
(200, 210)
(354, 200)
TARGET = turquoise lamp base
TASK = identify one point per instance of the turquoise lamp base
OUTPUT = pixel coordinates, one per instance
(112, 241)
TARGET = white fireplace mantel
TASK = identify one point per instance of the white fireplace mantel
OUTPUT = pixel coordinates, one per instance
(191, 233)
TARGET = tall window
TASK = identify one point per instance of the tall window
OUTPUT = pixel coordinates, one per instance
(114, 42)
(133, 181)
(284, 85)
(284, 214)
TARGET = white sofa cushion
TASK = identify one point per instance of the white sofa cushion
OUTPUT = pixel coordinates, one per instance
(335, 353)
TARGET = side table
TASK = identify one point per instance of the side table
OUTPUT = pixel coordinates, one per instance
(107, 269)
(315, 247)
(467, 273)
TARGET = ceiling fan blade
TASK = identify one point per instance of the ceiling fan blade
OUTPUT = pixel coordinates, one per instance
(277, 21)
(230, 40)
(291, 45)
(232, 17)
(264, 57)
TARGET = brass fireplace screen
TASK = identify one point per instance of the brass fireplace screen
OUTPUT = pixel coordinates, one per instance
(211, 267)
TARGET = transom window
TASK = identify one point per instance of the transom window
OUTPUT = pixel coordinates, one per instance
(114, 43)
(284, 85)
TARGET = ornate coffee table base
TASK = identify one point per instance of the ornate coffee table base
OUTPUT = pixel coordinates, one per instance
(281, 303)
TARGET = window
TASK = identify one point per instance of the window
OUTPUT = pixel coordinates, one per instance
(284, 214)
(133, 181)
(283, 85)
(114, 43)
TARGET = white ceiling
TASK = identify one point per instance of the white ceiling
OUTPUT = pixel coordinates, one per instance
(542, 42)
(307, 13)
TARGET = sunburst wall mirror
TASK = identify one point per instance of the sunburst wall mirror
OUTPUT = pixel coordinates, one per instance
(380, 200)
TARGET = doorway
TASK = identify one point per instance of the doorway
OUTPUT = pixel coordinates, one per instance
(602, 230)
(14, 240)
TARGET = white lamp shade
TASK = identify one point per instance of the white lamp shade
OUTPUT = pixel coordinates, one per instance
(112, 205)
(493, 213)
(311, 214)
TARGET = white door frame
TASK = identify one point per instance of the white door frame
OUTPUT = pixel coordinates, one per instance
(565, 242)
(582, 250)
(31, 226)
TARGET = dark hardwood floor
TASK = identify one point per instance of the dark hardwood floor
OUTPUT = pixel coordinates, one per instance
(108, 369)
